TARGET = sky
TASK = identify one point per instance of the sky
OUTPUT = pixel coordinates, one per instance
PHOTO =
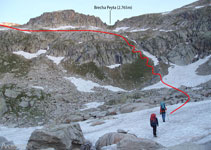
(20, 11)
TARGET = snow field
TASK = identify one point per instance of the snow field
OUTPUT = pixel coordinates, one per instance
(187, 124)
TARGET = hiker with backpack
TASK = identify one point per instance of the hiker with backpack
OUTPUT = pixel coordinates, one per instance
(154, 123)
(163, 110)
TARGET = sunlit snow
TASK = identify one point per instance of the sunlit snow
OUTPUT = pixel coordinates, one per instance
(113, 66)
(38, 87)
(30, 55)
(56, 60)
(179, 127)
(183, 75)
(87, 85)
(121, 29)
(92, 105)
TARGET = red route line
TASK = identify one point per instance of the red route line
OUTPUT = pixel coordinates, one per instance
(133, 50)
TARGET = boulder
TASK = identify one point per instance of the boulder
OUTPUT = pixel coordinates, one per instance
(138, 144)
(112, 138)
(127, 108)
(87, 146)
(6, 145)
(3, 106)
(58, 137)
(11, 93)
(24, 104)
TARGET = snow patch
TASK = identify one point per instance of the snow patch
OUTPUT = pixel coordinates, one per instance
(92, 105)
(183, 75)
(113, 66)
(87, 85)
(38, 87)
(152, 57)
(62, 28)
(30, 55)
(121, 29)
(198, 7)
(162, 30)
(56, 60)
(142, 29)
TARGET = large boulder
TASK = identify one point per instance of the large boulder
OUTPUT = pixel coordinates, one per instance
(58, 137)
(3, 106)
(112, 138)
(6, 145)
(138, 144)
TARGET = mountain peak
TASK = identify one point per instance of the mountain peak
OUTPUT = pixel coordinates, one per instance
(64, 18)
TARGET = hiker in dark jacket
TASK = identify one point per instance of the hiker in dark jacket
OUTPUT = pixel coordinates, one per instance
(154, 123)
(163, 110)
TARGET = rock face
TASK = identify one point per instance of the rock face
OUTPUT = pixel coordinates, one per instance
(180, 36)
(64, 18)
(60, 137)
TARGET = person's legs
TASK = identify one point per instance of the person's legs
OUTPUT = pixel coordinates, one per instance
(163, 116)
(154, 131)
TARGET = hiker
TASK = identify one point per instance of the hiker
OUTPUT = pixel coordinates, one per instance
(154, 123)
(163, 110)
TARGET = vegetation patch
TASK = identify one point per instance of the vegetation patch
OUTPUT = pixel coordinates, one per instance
(33, 98)
(84, 69)
(11, 63)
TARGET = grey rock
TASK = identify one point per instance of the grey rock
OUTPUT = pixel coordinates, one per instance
(24, 104)
(86, 146)
(138, 144)
(11, 93)
(59, 137)
(6, 145)
(121, 131)
(3, 106)
(111, 138)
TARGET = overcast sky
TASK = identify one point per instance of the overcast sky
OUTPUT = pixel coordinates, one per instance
(20, 11)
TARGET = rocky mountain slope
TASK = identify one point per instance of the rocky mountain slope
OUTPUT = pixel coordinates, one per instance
(35, 89)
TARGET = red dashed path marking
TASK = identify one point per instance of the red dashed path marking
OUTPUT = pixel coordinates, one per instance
(133, 50)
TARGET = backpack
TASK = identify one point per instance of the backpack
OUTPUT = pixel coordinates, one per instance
(162, 105)
(153, 119)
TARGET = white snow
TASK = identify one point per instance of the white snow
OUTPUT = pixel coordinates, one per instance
(92, 105)
(87, 85)
(30, 55)
(163, 30)
(183, 75)
(56, 60)
(197, 7)
(150, 56)
(62, 28)
(113, 66)
(142, 29)
(38, 87)
(121, 29)
(19, 136)
(191, 121)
